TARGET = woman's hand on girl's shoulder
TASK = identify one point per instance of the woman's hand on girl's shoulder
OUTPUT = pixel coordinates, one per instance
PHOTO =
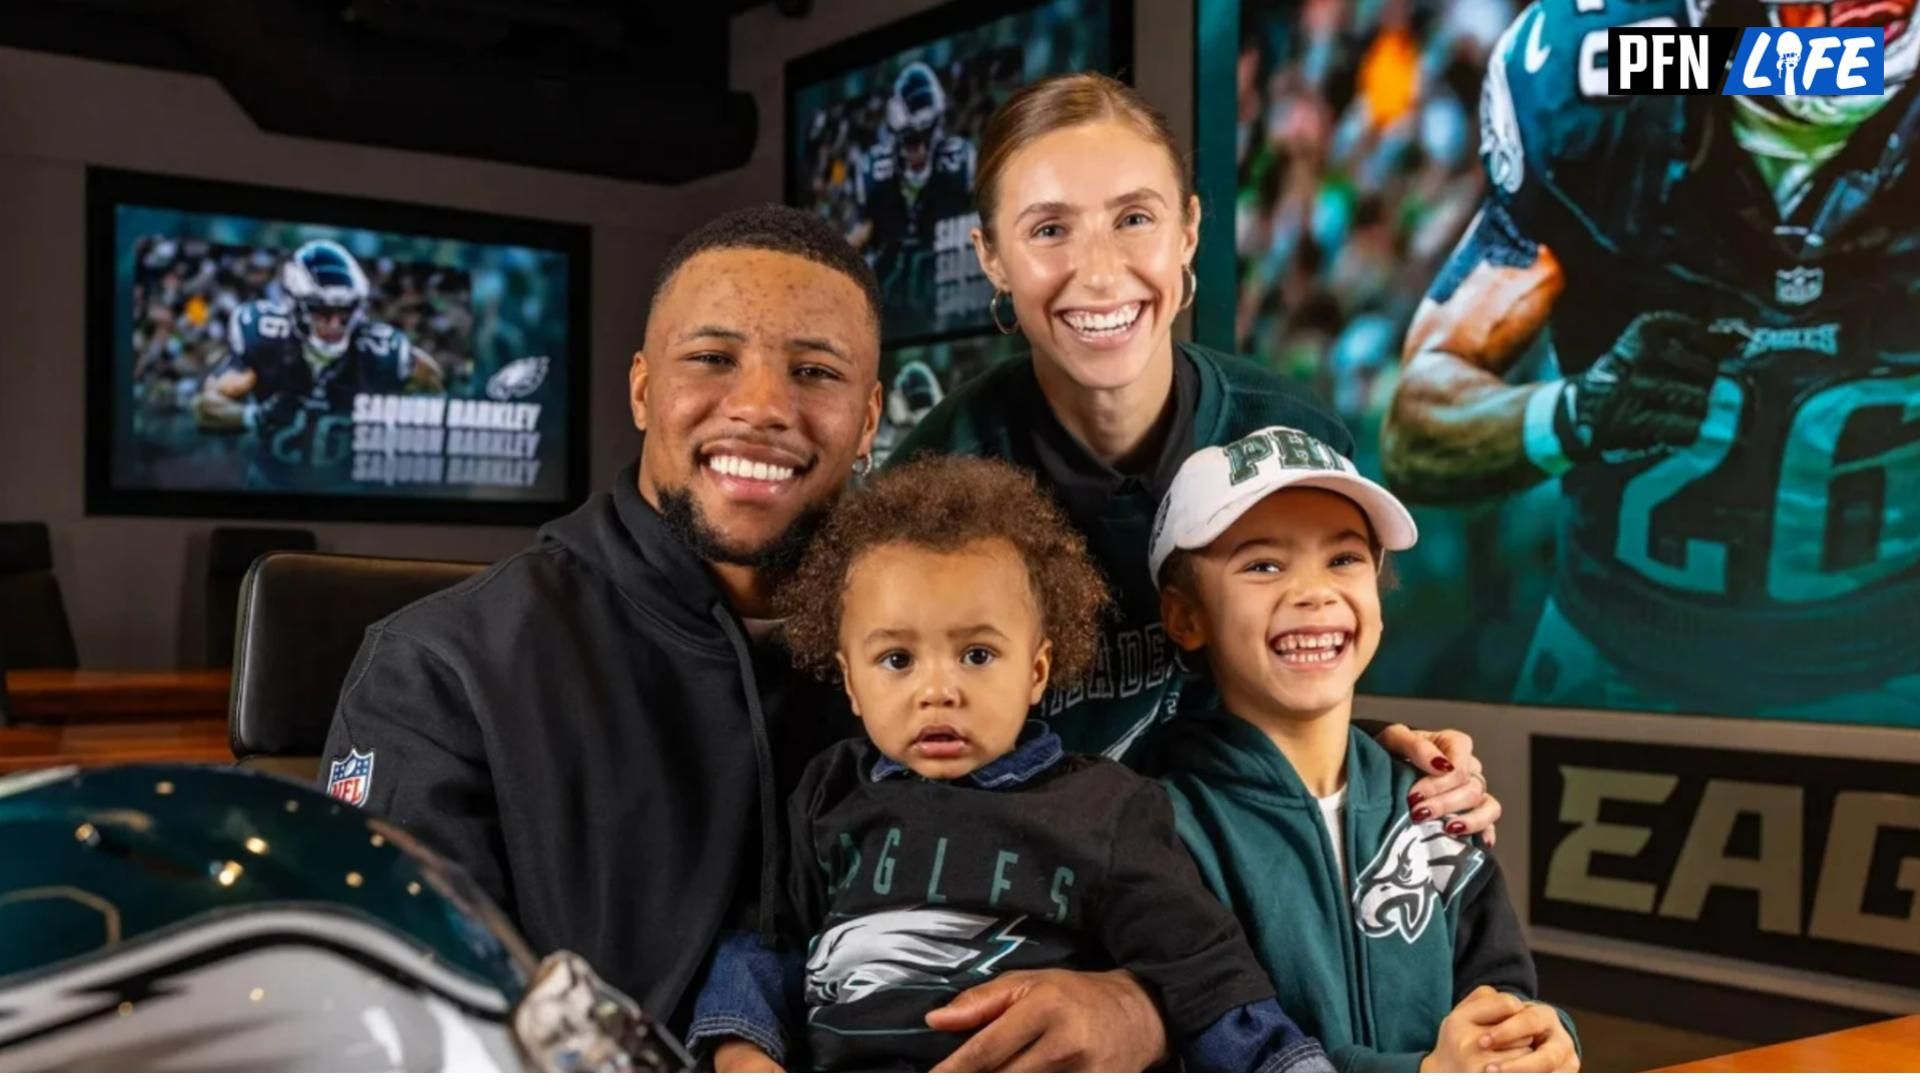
(1454, 788)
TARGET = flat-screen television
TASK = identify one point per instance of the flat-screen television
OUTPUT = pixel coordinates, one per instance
(883, 132)
(255, 352)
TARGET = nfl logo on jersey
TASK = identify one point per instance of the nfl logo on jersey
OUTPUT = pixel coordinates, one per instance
(349, 777)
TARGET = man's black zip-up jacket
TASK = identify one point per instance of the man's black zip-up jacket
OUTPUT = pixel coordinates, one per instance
(589, 730)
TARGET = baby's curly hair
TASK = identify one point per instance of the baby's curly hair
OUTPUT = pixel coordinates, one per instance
(944, 504)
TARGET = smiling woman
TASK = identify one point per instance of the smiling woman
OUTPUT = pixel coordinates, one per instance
(1088, 227)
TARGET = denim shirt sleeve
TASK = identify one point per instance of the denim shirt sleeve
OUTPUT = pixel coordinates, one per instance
(1258, 1037)
(746, 996)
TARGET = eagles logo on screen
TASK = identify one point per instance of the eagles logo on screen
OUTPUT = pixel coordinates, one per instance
(518, 379)
(913, 948)
(1418, 871)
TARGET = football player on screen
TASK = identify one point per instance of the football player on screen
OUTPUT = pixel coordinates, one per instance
(916, 176)
(293, 365)
(1728, 287)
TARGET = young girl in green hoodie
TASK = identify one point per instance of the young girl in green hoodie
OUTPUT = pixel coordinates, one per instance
(1387, 933)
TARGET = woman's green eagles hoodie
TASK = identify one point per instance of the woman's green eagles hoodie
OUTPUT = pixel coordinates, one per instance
(1370, 966)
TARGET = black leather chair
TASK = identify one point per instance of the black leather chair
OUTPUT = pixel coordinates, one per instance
(301, 619)
(231, 552)
(33, 617)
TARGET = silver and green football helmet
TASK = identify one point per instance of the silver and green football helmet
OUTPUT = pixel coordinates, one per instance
(190, 918)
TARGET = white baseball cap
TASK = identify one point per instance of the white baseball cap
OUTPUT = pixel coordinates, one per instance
(1218, 484)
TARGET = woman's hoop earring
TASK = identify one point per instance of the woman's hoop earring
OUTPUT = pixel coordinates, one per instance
(863, 465)
(993, 310)
(1191, 282)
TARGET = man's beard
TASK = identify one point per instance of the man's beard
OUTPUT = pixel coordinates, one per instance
(780, 555)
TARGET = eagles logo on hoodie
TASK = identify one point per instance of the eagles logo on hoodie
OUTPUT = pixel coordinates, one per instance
(1419, 870)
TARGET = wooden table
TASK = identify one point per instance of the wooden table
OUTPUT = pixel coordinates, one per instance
(69, 697)
(1892, 1046)
(114, 718)
(115, 743)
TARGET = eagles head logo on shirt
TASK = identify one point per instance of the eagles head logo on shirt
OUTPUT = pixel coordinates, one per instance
(1418, 871)
(903, 949)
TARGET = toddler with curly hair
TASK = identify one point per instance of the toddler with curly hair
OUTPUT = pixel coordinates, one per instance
(957, 842)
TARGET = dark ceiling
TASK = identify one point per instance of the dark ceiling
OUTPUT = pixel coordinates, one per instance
(630, 89)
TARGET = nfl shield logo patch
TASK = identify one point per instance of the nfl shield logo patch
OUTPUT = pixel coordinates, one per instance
(1799, 285)
(349, 778)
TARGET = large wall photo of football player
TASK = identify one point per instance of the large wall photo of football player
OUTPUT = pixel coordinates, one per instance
(883, 132)
(1648, 367)
(275, 357)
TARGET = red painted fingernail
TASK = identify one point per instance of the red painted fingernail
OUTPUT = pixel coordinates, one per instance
(1456, 827)
(1443, 764)
(1412, 799)
(1423, 813)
